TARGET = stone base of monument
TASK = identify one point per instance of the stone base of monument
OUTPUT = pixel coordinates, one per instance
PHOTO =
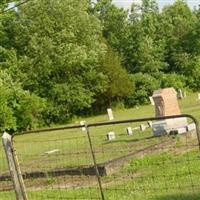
(164, 127)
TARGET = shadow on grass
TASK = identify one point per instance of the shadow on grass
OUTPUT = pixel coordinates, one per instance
(193, 196)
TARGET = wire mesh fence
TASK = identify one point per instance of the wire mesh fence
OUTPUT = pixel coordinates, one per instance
(132, 163)
(141, 166)
(54, 162)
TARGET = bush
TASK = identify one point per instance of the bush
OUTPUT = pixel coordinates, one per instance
(144, 85)
(19, 109)
(172, 80)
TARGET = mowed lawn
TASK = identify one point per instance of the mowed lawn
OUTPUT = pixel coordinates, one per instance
(164, 175)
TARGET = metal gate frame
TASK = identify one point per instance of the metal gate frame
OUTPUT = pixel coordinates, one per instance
(13, 161)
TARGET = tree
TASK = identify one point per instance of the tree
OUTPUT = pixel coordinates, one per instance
(19, 109)
(144, 85)
(179, 22)
(114, 21)
(143, 49)
(59, 47)
(119, 83)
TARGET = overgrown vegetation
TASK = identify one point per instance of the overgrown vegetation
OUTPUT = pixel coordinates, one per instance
(60, 59)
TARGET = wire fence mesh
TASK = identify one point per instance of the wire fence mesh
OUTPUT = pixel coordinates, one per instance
(132, 163)
(54, 162)
(141, 166)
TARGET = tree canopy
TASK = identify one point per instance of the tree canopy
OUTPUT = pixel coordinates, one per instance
(60, 59)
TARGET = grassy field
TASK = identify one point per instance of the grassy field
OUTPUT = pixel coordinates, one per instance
(172, 173)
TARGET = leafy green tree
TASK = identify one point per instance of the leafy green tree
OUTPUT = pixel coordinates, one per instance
(172, 80)
(179, 21)
(143, 49)
(59, 47)
(144, 85)
(119, 82)
(19, 109)
(114, 21)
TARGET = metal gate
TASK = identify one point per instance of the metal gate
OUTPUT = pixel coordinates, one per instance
(110, 160)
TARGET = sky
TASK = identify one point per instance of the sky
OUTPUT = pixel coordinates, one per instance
(127, 3)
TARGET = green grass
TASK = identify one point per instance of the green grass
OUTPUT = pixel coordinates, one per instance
(161, 176)
(171, 183)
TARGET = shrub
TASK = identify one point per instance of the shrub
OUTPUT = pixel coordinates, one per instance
(144, 85)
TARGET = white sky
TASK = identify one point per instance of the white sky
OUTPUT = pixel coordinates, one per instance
(161, 3)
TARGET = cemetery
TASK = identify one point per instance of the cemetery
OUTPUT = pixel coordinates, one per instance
(100, 99)
(116, 146)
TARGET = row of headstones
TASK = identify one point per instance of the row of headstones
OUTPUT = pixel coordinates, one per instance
(129, 130)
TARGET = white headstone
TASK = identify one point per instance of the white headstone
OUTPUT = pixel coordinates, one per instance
(150, 124)
(142, 127)
(152, 101)
(83, 123)
(180, 93)
(110, 114)
(129, 131)
(111, 135)
(198, 96)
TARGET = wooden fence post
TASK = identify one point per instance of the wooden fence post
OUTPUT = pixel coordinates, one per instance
(14, 168)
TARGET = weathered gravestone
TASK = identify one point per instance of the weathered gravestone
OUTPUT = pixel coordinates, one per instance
(198, 96)
(181, 96)
(152, 101)
(129, 130)
(166, 104)
(83, 123)
(150, 124)
(110, 114)
(111, 136)
(142, 127)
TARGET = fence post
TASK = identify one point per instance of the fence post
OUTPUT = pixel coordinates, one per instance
(14, 168)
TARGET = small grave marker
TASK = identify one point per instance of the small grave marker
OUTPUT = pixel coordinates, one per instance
(180, 94)
(83, 123)
(150, 124)
(198, 96)
(152, 101)
(110, 114)
(111, 136)
(142, 127)
(129, 131)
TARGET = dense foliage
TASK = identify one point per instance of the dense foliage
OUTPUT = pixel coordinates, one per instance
(60, 58)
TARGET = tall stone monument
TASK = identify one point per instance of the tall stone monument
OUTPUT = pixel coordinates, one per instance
(166, 104)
